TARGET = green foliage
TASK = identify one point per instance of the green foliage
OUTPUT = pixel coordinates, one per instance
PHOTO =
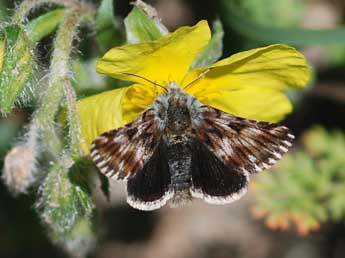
(64, 197)
(282, 13)
(141, 27)
(234, 17)
(44, 25)
(107, 28)
(214, 49)
(65, 206)
(79, 241)
(308, 187)
(3, 10)
(17, 66)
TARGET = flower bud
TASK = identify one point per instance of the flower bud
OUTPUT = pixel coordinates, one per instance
(16, 66)
(19, 167)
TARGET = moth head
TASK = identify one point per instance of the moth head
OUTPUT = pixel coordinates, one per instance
(173, 86)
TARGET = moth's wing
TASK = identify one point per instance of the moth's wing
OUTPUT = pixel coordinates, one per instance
(212, 179)
(120, 153)
(246, 144)
(149, 188)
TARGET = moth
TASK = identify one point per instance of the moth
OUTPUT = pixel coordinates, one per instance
(179, 149)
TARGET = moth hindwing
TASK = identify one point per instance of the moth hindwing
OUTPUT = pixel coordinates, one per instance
(179, 149)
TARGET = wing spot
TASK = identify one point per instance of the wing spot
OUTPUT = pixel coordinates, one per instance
(94, 153)
(257, 168)
(277, 155)
(283, 148)
(291, 136)
(271, 161)
(287, 143)
(265, 166)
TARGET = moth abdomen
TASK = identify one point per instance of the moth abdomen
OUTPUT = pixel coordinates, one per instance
(179, 153)
(180, 181)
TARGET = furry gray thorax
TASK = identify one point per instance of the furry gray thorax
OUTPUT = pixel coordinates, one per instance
(175, 111)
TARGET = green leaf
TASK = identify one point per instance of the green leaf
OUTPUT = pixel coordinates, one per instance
(66, 208)
(233, 17)
(79, 241)
(64, 199)
(140, 27)
(214, 49)
(108, 29)
(44, 25)
(105, 14)
(17, 66)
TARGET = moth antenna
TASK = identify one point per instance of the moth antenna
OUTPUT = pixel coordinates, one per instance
(154, 83)
(197, 78)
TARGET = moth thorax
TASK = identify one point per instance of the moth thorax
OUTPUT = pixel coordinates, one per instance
(178, 118)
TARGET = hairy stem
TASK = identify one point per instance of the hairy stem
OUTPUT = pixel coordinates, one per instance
(59, 74)
(59, 68)
(73, 120)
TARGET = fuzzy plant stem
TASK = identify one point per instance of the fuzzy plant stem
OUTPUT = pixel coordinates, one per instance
(26, 6)
(58, 76)
(73, 121)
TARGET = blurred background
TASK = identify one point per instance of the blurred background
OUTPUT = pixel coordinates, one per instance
(295, 210)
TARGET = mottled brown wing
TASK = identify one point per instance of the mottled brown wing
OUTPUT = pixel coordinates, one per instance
(122, 152)
(250, 145)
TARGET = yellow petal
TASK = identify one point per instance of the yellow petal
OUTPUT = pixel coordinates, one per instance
(163, 60)
(136, 100)
(276, 66)
(262, 104)
(241, 81)
(98, 114)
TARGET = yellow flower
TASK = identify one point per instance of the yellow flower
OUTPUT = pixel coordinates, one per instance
(248, 84)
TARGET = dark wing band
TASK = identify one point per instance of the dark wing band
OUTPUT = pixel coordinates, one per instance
(149, 188)
(214, 181)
